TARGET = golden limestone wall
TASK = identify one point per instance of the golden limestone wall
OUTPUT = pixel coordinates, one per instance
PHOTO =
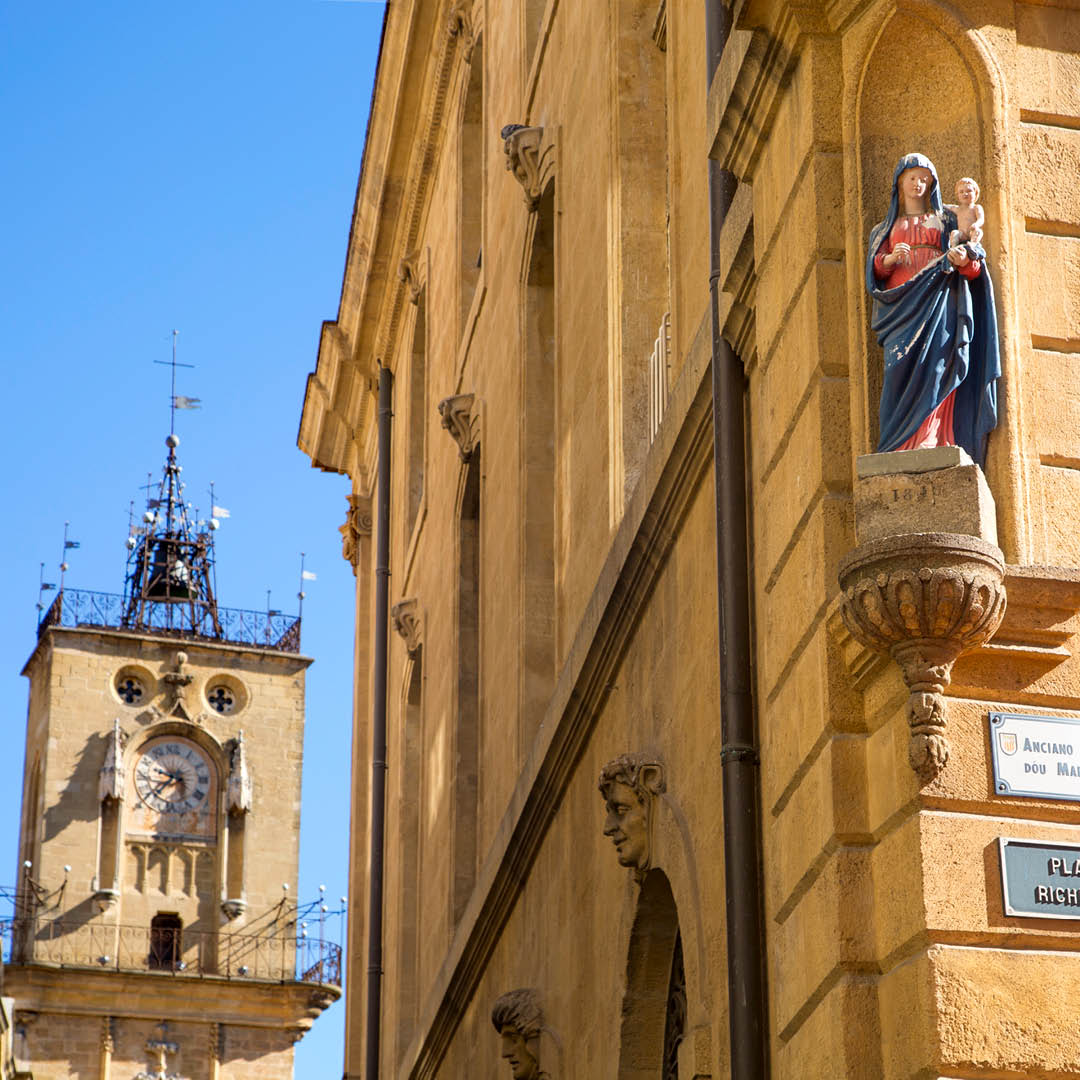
(889, 951)
(554, 572)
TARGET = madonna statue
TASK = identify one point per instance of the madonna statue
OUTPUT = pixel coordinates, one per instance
(934, 316)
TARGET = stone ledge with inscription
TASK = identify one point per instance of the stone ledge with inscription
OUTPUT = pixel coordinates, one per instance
(922, 491)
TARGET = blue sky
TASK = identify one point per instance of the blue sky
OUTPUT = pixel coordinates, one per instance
(192, 167)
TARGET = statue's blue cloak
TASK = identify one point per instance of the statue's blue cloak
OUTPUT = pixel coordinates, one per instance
(939, 332)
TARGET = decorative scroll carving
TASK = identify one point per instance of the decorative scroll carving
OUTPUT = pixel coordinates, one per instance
(405, 616)
(357, 525)
(111, 781)
(460, 419)
(238, 789)
(518, 1017)
(459, 25)
(521, 145)
(629, 785)
(408, 274)
(924, 598)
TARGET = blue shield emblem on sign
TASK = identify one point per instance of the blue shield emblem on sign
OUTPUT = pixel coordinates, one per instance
(1007, 742)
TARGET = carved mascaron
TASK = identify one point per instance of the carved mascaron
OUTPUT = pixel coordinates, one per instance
(630, 785)
(518, 1017)
(924, 598)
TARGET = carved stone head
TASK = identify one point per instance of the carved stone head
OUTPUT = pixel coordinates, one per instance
(630, 785)
(518, 1019)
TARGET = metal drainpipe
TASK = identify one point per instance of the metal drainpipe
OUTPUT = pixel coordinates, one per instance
(739, 755)
(378, 735)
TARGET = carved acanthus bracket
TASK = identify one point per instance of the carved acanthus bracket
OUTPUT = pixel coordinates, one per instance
(111, 778)
(408, 274)
(405, 615)
(521, 145)
(924, 598)
(459, 417)
(357, 525)
(459, 25)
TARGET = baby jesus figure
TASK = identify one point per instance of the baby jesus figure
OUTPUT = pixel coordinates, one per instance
(969, 214)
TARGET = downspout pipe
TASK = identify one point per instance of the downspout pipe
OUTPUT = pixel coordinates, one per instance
(378, 730)
(739, 760)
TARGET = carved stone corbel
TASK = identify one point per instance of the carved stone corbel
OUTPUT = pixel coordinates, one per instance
(521, 145)
(924, 598)
(405, 615)
(459, 417)
(408, 275)
(459, 25)
(111, 778)
(238, 789)
(357, 525)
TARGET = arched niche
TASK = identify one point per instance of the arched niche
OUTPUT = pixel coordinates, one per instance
(655, 950)
(917, 94)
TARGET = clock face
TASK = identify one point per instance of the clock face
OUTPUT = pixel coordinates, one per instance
(173, 777)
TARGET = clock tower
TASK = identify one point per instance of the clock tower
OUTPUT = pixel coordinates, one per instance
(156, 932)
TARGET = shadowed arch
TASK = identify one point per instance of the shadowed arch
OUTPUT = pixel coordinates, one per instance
(651, 1028)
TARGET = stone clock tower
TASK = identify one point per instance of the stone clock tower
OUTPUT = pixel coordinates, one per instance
(156, 931)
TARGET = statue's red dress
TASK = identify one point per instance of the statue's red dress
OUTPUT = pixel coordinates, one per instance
(923, 235)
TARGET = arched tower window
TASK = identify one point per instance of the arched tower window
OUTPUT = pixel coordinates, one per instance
(166, 941)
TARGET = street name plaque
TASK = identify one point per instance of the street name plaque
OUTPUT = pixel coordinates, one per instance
(1036, 757)
(1040, 880)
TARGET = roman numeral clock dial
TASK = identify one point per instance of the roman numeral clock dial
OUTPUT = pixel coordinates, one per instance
(173, 777)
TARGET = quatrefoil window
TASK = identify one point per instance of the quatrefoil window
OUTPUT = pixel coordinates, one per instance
(221, 698)
(129, 689)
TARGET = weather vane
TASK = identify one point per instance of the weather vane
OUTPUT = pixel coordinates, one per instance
(177, 401)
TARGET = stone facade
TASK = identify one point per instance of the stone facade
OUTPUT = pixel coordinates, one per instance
(539, 172)
(134, 910)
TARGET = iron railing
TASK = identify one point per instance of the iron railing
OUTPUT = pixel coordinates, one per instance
(176, 952)
(268, 630)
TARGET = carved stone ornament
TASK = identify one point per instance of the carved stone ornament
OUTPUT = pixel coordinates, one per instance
(521, 145)
(111, 779)
(924, 598)
(357, 525)
(176, 684)
(238, 789)
(408, 276)
(234, 908)
(459, 25)
(629, 785)
(405, 615)
(160, 1048)
(518, 1017)
(459, 418)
